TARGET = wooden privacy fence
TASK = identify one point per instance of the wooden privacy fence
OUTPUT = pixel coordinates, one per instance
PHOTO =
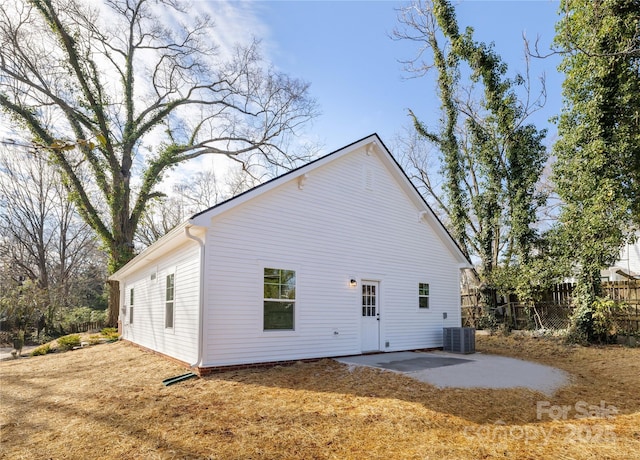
(628, 320)
(76, 328)
(623, 291)
(558, 294)
(628, 293)
(554, 309)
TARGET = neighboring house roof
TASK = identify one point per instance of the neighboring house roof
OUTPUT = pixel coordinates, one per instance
(629, 275)
(203, 218)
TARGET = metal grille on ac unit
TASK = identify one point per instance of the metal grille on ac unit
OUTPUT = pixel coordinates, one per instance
(459, 339)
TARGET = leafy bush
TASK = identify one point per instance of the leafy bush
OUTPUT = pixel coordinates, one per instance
(581, 325)
(110, 333)
(44, 338)
(80, 315)
(99, 315)
(20, 306)
(487, 321)
(595, 322)
(18, 341)
(68, 342)
(42, 350)
(604, 313)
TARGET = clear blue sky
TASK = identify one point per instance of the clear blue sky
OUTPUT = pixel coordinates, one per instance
(344, 49)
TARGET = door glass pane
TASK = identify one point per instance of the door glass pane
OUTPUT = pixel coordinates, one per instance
(368, 300)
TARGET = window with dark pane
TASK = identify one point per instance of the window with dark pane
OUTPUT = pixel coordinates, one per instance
(423, 295)
(279, 299)
(169, 300)
(131, 306)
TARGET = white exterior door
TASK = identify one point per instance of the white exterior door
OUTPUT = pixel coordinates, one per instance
(370, 310)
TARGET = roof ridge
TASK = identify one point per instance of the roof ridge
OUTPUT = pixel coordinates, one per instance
(290, 172)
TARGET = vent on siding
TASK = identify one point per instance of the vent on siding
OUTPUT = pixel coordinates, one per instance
(369, 178)
(459, 339)
(153, 277)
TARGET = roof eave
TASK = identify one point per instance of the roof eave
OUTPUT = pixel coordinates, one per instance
(152, 252)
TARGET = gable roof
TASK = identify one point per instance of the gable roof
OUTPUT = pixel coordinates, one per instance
(276, 181)
(372, 143)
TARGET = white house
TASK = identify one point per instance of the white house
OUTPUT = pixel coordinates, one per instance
(628, 264)
(339, 257)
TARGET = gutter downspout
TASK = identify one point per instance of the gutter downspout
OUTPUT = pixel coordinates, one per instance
(187, 233)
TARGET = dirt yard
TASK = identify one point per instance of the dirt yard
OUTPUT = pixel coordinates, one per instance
(108, 401)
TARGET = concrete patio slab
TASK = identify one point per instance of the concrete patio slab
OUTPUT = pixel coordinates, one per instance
(450, 370)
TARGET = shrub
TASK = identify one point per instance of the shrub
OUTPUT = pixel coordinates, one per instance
(44, 338)
(68, 342)
(581, 326)
(69, 318)
(42, 350)
(76, 315)
(595, 322)
(487, 321)
(18, 341)
(604, 324)
(110, 333)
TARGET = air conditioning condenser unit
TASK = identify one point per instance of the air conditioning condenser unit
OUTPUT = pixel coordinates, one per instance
(459, 339)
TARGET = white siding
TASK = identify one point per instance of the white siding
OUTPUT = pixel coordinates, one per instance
(351, 219)
(629, 262)
(630, 257)
(148, 328)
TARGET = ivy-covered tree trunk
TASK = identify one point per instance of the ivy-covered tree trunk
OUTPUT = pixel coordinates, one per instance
(598, 150)
(119, 94)
(491, 159)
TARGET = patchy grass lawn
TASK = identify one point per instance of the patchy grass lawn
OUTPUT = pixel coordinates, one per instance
(108, 401)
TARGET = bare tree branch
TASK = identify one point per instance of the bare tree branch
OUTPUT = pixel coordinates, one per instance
(98, 85)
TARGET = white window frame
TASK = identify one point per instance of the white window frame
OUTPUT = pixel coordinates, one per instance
(423, 296)
(295, 300)
(166, 301)
(131, 301)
